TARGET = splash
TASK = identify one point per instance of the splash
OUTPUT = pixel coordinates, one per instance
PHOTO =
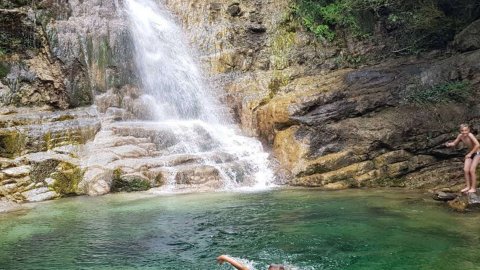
(186, 107)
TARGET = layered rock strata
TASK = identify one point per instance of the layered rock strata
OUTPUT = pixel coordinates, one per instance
(332, 120)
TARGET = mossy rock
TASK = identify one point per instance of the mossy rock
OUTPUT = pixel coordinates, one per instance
(42, 170)
(17, 33)
(12, 143)
(4, 68)
(128, 183)
(67, 177)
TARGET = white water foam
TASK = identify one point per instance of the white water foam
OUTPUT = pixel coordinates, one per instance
(170, 76)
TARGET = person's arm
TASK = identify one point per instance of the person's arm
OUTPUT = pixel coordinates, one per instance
(475, 145)
(454, 143)
(233, 262)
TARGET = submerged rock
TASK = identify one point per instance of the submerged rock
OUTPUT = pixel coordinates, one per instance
(465, 202)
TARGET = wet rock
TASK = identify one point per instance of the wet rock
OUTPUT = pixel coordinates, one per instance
(444, 196)
(465, 202)
(473, 200)
(459, 204)
(196, 175)
(130, 182)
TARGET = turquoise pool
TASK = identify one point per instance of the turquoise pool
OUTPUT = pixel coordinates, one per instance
(306, 229)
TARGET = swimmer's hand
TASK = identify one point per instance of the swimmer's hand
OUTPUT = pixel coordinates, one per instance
(224, 258)
(448, 144)
(221, 259)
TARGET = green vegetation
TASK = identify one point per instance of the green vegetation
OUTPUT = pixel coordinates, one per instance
(414, 25)
(278, 80)
(4, 68)
(282, 44)
(458, 91)
(120, 183)
(42, 170)
(67, 177)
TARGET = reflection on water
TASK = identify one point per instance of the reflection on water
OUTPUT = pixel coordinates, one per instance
(307, 229)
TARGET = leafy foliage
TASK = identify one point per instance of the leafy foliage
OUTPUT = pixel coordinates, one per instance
(413, 24)
(459, 91)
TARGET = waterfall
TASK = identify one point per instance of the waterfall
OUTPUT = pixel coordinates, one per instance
(171, 81)
(167, 71)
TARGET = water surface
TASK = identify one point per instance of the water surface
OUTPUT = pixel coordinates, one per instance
(307, 229)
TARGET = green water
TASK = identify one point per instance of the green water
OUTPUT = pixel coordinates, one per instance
(306, 229)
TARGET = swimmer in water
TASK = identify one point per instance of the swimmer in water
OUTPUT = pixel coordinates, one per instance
(224, 258)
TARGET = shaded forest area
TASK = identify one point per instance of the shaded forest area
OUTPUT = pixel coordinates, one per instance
(409, 26)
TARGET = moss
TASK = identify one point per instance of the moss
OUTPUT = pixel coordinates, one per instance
(67, 176)
(4, 68)
(43, 170)
(348, 60)
(67, 137)
(282, 44)
(12, 143)
(278, 80)
(47, 138)
(129, 184)
(104, 59)
(117, 173)
(17, 33)
(456, 91)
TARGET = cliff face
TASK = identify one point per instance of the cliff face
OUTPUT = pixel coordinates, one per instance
(333, 115)
(332, 118)
(55, 56)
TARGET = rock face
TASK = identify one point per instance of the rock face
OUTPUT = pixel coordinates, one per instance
(62, 53)
(334, 120)
(331, 118)
(29, 75)
(39, 152)
(469, 38)
(54, 56)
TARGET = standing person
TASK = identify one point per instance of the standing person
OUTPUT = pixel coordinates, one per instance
(471, 158)
(224, 258)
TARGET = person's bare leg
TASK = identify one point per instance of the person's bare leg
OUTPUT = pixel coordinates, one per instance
(473, 174)
(466, 170)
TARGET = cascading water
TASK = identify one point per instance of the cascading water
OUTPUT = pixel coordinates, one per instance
(184, 109)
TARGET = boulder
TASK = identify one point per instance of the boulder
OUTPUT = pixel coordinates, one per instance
(469, 38)
(444, 196)
(39, 194)
(465, 202)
